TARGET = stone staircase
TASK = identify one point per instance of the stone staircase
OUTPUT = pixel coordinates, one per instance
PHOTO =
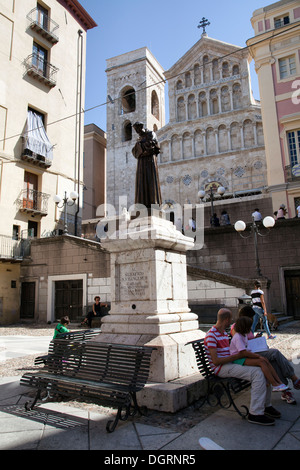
(282, 319)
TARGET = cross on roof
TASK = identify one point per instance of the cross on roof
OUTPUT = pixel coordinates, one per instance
(203, 23)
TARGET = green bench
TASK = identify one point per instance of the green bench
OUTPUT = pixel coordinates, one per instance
(104, 373)
(219, 391)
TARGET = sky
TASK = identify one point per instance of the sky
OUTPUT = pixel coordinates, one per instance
(169, 28)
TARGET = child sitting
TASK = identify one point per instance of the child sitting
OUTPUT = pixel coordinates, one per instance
(239, 343)
(62, 326)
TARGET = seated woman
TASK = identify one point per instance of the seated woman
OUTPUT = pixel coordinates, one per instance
(96, 312)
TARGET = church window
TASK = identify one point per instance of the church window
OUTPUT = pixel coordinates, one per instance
(181, 116)
(128, 100)
(154, 104)
(187, 146)
(202, 104)
(214, 105)
(164, 152)
(176, 148)
(235, 70)
(248, 133)
(225, 70)
(179, 85)
(206, 71)
(215, 69)
(192, 110)
(260, 134)
(188, 80)
(197, 75)
(236, 96)
(223, 138)
(198, 143)
(127, 131)
(210, 141)
(235, 136)
(225, 99)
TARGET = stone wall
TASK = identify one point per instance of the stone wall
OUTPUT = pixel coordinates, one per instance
(240, 208)
(63, 258)
(226, 251)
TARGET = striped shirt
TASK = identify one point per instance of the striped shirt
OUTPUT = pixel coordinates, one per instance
(255, 294)
(214, 339)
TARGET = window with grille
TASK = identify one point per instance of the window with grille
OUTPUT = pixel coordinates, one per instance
(287, 67)
(293, 138)
(281, 21)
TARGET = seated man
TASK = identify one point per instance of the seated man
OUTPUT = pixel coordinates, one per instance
(217, 347)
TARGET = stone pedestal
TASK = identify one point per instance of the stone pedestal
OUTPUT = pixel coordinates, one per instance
(149, 299)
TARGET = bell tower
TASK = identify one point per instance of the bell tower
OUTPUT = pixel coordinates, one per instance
(135, 90)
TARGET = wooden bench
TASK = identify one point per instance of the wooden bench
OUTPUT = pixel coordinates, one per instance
(219, 391)
(75, 335)
(104, 373)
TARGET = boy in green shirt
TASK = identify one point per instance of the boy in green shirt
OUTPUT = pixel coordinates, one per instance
(62, 326)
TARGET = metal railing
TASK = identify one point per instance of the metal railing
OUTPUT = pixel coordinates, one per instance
(13, 249)
(41, 69)
(43, 24)
(31, 200)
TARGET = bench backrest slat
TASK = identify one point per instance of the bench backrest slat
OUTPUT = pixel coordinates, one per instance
(78, 335)
(201, 358)
(101, 362)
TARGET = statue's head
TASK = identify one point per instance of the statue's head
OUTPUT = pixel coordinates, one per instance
(138, 126)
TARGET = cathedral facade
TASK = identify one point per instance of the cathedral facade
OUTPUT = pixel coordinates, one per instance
(214, 136)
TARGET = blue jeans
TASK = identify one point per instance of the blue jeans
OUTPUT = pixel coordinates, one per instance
(259, 313)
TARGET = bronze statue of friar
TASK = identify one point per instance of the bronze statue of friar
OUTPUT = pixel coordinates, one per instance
(146, 149)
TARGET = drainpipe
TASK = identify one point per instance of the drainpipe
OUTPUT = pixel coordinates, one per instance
(79, 111)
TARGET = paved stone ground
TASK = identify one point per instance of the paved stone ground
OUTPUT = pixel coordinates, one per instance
(287, 341)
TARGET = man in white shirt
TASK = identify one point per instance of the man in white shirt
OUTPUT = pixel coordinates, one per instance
(257, 215)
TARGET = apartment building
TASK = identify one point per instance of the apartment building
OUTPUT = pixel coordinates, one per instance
(275, 48)
(42, 82)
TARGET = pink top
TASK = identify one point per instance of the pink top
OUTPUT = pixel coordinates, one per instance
(238, 343)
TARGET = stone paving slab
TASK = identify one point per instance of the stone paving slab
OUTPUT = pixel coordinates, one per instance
(56, 426)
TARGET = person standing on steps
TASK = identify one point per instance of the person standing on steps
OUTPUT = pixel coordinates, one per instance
(260, 309)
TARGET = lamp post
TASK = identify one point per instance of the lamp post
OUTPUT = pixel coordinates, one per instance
(240, 226)
(201, 194)
(64, 203)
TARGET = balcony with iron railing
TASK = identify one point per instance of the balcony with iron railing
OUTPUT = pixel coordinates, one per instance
(33, 202)
(34, 158)
(13, 250)
(43, 25)
(40, 69)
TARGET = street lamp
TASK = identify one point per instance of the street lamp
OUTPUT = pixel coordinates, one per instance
(64, 203)
(201, 194)
(240, 226)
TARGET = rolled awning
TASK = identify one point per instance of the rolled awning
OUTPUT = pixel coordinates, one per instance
(36, 139)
